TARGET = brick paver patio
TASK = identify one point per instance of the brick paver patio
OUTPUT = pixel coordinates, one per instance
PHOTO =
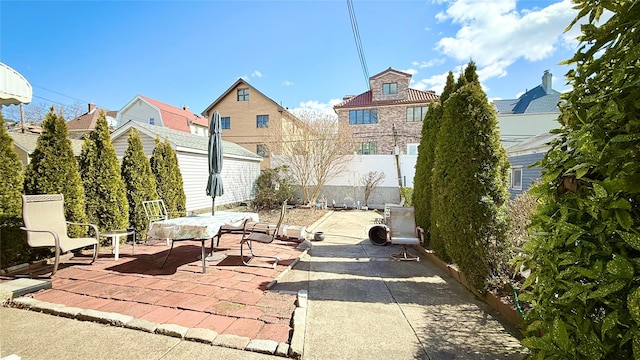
(229, 298)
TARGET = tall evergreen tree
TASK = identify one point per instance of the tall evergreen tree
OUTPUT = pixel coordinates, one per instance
(54, 170)
(11, 177)
(470, 180)
(12, 242)
(424, 166)
(169, 185)
(106, 199)
(584, 257)
(139, 181)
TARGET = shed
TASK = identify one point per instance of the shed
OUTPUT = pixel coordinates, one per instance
(240, 169)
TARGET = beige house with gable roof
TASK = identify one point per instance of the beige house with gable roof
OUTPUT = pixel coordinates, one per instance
(250, 118)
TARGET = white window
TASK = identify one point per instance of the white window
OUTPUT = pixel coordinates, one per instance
(412, 149)
(152, 121)
(516, 178)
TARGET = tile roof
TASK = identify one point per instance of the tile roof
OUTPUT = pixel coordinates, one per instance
(176, 118)
(184, 139)
(365, 99)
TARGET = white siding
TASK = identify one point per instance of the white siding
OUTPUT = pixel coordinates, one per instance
(122, 142)
(238, 175)
(140, 111)
(238, 180)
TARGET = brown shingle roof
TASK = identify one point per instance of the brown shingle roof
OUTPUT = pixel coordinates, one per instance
(88, 120)
(365, 99)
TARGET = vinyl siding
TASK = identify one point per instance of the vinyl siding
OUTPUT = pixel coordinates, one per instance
(529, 174)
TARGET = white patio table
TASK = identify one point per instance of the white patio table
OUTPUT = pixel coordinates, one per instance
(198, 228)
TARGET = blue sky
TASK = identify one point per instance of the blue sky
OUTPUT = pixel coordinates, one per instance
(299, 53)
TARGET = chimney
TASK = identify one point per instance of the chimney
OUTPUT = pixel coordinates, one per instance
(546, 81)
(92, 107)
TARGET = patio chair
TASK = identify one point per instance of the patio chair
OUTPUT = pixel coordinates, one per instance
(46, 226)
(257, 233)
(155, 210)
(403, 231)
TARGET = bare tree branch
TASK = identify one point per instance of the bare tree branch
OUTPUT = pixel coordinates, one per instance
(315, 149)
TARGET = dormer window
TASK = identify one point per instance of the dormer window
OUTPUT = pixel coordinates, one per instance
(389, 89)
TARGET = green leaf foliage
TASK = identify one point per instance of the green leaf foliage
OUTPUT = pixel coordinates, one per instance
(106, 201)
(585, 258)
(53, 169)
(139, 182)
(469, 182)
(169, 185)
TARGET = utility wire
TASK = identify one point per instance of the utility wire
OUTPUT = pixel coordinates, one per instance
(61, 94)
(356, 37)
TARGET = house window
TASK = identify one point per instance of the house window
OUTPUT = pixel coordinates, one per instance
(389, 89)
(516, 178)
(262, 121)
(416, 113)
(225, 122)
(366, 116)
(243, 94)
(152, 121)
(367, 148)
(412, 149)
(262, 150)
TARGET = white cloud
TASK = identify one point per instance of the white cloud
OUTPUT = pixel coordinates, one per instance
(410, 71)
(435, 83)
(317, 107)
(427, 64)
(495, 34)
(287, 83)
(256, 73)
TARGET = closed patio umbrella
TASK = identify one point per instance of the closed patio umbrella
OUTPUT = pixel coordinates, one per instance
(214, 184)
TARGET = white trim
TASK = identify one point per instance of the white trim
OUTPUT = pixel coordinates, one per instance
(511, 182)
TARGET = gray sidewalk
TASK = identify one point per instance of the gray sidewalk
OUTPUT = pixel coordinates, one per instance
(362, 305)
(33, 335)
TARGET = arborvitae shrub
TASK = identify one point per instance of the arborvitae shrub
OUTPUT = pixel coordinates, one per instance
(139, 181)
(470, 181)
(169, 185)
(106, 200)
(54, 170)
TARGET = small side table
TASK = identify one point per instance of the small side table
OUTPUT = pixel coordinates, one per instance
(115, 240)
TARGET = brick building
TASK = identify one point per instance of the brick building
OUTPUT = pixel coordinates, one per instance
(387, 116)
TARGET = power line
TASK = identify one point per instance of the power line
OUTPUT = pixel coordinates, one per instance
(61, 94)
(356, 37)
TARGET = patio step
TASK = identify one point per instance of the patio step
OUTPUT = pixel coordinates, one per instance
(18, 287)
